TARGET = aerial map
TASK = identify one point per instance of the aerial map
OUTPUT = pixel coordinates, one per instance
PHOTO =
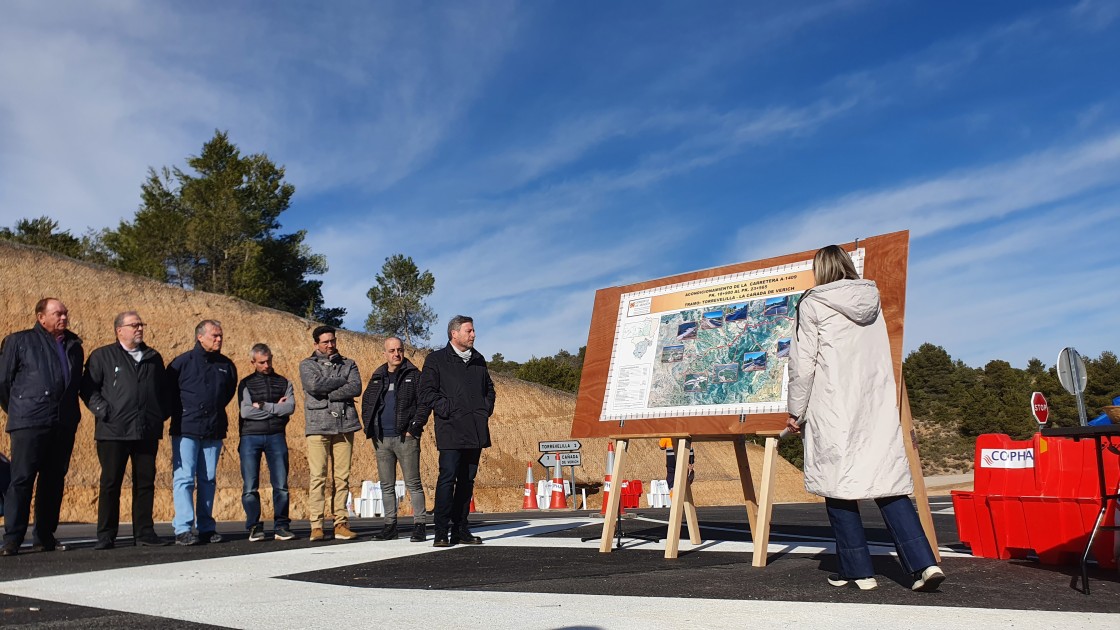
(715, 356)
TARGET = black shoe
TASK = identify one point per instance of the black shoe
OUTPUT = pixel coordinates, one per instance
(209, 537)
(49, 545)
(441, 540)
(256, 533)
(419, 533)
(104, 545)
(465, 537)
(388, 532)
(151, 540)
(9, 549)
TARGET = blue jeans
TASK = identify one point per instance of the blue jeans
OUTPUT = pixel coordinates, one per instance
(274, 447)
(193, 458)
(454, 487)
(851, 541)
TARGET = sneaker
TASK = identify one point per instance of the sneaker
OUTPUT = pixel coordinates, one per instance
(343, 532)
(863, 584)
(256, 533)
(419, 533)
(283, 533)
(317, 534)
(441, 540)
(929, 579)
(388, 532)
(186, 539)
(210, 537)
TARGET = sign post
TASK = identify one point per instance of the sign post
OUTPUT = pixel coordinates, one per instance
(1040, 408)
(1072, 374)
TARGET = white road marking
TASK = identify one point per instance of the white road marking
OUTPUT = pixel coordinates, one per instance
(244, 592)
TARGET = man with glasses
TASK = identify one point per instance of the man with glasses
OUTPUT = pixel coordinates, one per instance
(40, 375)
(267, 401)
(202, 382)
(125, 388)
(330, 384)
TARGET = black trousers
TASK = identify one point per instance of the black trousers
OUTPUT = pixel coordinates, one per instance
(454, 488)
(113, 455)
(44, 454)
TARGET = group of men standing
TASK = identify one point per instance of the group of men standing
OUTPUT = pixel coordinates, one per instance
(131, 395)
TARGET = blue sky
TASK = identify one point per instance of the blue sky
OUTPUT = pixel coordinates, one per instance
(530, 153)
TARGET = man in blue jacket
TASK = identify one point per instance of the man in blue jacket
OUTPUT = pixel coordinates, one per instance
(202, 383)
(40, 374)
(456, 385)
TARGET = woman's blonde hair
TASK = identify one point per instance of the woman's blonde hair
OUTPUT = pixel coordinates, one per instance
(833, 263)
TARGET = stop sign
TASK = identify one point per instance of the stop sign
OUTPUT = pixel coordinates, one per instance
(1040, 408)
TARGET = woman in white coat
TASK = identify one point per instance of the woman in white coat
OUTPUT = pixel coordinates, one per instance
(842, 390)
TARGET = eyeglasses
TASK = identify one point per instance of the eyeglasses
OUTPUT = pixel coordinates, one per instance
(136, 326)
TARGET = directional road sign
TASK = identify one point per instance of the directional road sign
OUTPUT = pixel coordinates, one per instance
(560, 445)
(548, 460)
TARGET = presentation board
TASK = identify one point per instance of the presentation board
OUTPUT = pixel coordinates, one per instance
(706, 352)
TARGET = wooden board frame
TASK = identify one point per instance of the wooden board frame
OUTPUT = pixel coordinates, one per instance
(885, 263)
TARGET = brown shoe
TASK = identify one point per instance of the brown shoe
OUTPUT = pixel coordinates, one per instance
(342, 532)
(317, 534)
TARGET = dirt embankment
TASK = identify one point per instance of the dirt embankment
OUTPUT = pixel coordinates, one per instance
(526, 413)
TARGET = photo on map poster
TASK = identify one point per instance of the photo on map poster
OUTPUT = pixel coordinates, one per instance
(672, 354)
(712, 320)
(743, 359)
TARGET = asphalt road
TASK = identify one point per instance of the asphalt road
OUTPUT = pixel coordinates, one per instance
(533, 571)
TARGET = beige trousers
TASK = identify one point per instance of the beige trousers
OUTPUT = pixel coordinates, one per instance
(320, 449)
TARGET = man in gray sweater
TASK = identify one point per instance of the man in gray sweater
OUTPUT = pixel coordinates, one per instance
(330, 384)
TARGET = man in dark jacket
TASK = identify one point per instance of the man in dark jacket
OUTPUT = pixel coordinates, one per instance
(202, 382)
(126, 390)
(389, 413)
(266, 401)
(456, 385)
(40, 375)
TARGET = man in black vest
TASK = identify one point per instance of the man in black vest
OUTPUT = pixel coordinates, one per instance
(126, 390)
(267, 401)
(40, 375)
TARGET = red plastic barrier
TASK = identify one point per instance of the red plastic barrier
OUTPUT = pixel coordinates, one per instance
(1040, 494)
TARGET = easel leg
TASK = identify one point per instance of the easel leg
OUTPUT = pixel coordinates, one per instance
(676, 506)
(690, 515)
(747, 482)
(761, 538)
(609, 520)
(909, 441)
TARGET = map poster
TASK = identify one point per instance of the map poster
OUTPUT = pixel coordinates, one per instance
(713, 346)
(704, 353)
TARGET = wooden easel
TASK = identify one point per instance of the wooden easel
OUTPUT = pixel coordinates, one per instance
(758, 504)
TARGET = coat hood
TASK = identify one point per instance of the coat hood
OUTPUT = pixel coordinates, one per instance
(858, 300)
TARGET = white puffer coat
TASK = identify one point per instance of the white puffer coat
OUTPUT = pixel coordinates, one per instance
(841, 382)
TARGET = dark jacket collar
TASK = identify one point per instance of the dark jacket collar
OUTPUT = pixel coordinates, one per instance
(407, 366)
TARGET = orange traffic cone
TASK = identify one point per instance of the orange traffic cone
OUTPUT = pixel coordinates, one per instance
(607, 480)
(558, 500)
(530, 502)
(472, 510)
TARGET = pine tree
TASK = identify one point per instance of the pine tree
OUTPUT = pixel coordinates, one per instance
(398, 300)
